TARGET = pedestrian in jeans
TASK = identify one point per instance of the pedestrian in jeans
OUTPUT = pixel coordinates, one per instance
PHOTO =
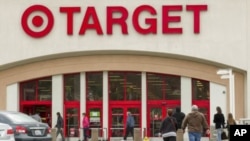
(219, 121)
(59, 125)
(85, 125)
(129, 126)
(168, 127)
(196, 122)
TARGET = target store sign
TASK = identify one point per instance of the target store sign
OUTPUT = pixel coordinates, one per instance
(38, 26)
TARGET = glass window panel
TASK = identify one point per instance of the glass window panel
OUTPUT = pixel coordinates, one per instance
(117, 83)
(154, 86)
(72, 122)
(94, 86)
(200, 89)
(124, 85)
(133, 85)
(117, 122)
(72, 87)
(45, 89)
(28, 91)
(173, 85)
(155, 121)
(36, 90)
(95, 118)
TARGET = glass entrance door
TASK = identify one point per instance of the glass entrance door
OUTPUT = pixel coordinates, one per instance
(155, 115)
(117, 122)
(44, 111)
(95, 118)
(72, 122)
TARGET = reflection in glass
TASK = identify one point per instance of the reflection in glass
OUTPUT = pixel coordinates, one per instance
(45, 89)
(162, 86)
(94, 86)
(124, 85)
(72, 87)
(28, 91)
(72, 122)
(173, 87)
(155, 121)
(155, 86)
(37, 90)
(133, 86)
(117, 122)
(200, 89)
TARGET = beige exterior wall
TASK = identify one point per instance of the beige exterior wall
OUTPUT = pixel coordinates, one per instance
(120, 62)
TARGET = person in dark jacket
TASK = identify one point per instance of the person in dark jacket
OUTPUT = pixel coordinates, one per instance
(179, 116)
(219, 121)
(59, 125)
(168, 127)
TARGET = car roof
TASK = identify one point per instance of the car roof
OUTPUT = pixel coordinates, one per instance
(3, 124)
(10, 112)
(5, 112)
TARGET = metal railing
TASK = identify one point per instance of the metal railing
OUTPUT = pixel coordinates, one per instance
(102, 134)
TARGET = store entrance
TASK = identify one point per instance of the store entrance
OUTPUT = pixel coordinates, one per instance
(155, 114)
(117, 122)
(44, 110)
(94, 111)
(71, 121)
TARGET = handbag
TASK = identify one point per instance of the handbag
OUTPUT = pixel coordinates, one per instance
(223, 135)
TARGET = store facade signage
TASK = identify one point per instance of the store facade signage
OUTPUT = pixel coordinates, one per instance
(111, 20)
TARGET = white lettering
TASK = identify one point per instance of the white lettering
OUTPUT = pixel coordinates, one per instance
(239, 132)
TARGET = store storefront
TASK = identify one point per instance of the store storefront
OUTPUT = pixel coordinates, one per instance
(163, 92)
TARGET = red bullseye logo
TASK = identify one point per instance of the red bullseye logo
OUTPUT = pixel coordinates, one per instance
(37, 28)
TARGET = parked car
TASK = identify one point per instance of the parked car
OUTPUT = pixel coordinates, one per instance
(25, 128)
(6, 132)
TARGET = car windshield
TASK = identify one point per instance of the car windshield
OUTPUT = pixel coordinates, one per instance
(19, 117)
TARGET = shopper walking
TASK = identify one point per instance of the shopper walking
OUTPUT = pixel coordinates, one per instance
(230, 121)
(85, 125)
(179, 117)
(168, 127)
(130, 123)
(196, 122)
(59, 125)
(219, 121)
